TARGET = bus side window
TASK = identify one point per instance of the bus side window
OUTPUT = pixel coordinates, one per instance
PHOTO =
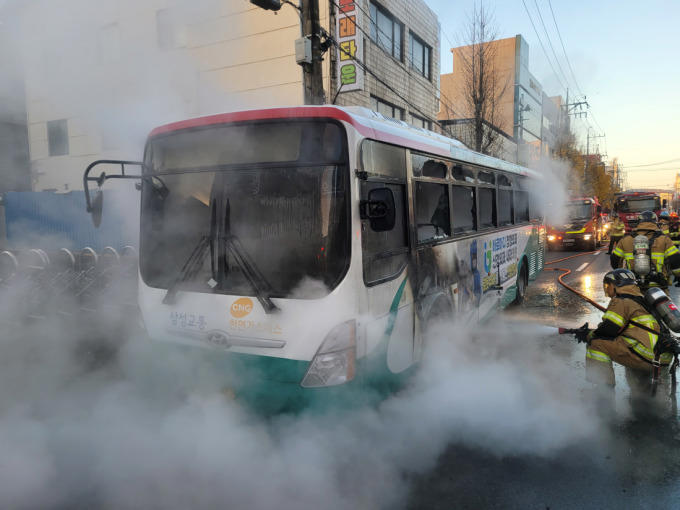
(384, 254)
(504, 207)
(535, 209)
(432, 211)
(487, 207)
(521, 206)
(464, 216)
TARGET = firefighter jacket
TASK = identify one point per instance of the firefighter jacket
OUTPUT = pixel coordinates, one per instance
(616, 323)
(665, 227)
(617, 229)
(674, 233)
(664, 254)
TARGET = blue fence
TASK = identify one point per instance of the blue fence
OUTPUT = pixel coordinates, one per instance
(51, 221)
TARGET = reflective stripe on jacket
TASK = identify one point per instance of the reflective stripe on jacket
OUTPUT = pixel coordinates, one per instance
(618, 229)
(664, 254)
(616, 322)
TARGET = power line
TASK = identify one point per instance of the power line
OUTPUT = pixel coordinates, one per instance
(547, 36)
(448, 102)
(543, 47)
(662, 169)
(571, 69)
(573, 75)
(377, 78)
(654, 164)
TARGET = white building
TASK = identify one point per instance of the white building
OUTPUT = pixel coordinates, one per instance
(100, 75)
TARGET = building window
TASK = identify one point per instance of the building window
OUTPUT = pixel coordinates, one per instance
(420, 55)
(170, 34)
(387, 109)
(386, 31)
(420, 122)
(57, 137)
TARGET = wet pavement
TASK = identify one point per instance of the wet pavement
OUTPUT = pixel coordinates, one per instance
(632, 460)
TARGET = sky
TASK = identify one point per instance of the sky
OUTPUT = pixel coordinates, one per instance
(624, 57)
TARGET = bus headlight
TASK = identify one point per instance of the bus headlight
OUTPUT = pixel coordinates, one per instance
(587, 237)
(333, 363)
(551, 238)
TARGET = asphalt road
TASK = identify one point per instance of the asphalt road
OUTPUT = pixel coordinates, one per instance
(631, 462)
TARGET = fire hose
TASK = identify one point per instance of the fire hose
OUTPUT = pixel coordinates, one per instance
(566, 272)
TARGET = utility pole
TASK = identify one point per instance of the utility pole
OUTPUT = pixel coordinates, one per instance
(520, 125)
(313, 80)
(570, 108)
(309, 49)
(587, 161)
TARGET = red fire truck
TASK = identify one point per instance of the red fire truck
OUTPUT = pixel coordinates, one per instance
(629, 204)
(583, 227)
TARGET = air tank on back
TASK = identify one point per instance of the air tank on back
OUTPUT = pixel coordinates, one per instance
(641, 261)
(666, 309)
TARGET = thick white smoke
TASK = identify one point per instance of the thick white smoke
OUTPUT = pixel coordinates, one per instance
(94, 415)
(147, 428)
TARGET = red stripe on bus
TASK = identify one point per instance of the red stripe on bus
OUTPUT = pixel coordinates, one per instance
(296, 113)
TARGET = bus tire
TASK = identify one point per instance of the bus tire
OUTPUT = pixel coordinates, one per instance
(521, 285)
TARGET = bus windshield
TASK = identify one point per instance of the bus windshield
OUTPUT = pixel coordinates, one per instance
(277, 191)
(638, 204)
(579, 211)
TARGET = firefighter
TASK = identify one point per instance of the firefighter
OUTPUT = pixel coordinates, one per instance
(663, 258)
(664, 222)
(617, 230)
(617, 339)
(674, 228)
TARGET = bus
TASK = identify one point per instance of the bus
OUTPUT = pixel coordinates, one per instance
(584, 227)
(310, 248)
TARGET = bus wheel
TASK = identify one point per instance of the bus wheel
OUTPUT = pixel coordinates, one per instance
(521, 285)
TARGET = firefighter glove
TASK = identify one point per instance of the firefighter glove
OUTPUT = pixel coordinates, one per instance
(582, 334)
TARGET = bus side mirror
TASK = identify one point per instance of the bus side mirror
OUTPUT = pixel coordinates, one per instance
(96, 209)
(664, 203)
(379, 209)
(615, 207)
(599, 209)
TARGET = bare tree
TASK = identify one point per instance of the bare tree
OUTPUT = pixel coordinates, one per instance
(483, 85)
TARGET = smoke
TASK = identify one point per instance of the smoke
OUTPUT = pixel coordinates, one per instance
(143, 426)
(550, 191)
(92, 414)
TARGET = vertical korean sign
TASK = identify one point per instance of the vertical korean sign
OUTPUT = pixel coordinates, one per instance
(350, 75)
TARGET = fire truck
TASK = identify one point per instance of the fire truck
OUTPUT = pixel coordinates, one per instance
(583, 227)
(629, 204)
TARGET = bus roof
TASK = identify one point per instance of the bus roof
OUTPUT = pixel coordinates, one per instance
(369, 123)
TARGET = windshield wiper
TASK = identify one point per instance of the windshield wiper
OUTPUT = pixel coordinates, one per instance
(256, 279)
(190, 268)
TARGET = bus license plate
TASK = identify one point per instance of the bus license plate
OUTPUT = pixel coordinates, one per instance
(568, 241)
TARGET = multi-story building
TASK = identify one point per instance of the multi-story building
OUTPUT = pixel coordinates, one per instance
(99, 75)
(527, 119)
(14, 156)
